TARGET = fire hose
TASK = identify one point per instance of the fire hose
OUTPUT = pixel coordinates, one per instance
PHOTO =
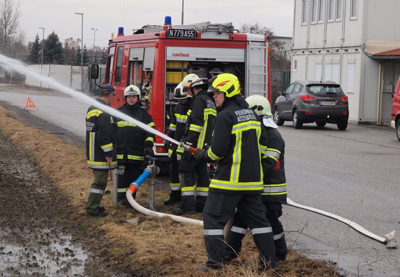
(151, 170)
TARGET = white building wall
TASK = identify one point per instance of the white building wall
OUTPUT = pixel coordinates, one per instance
(383, 20)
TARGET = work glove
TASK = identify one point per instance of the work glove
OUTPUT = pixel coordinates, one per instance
(148, 144)
(149, 152)
(199, 156)
(167, 145)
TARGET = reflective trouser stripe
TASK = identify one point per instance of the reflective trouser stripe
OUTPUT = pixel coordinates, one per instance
(202, 193)
(98, 191)
(187, 193)
(175, 186)
(263, 230)
(278, 236)
(238, 230)
(213, 232)
(122, 190)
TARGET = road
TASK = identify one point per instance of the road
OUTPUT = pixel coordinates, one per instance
(352, 173)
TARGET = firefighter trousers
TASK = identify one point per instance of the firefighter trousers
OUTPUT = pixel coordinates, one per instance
(190, 170)
(100, 177)
(217, 211)
(175, 186)
(126, 174)
(239, 229)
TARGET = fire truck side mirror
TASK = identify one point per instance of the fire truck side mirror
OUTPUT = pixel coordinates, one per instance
(94, 71)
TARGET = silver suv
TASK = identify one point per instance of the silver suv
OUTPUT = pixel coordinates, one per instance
(312, 101)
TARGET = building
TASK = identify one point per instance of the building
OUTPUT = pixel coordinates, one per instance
(355, 43)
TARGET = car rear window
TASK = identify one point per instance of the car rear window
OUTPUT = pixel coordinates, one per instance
(324, 89)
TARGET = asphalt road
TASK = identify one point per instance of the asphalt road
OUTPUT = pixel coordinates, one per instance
(352, 173)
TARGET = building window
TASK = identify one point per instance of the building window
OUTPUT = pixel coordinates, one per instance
(320, 11)
(338, 14)
(353, 9)
(331, 10)
(314, 4)
(351, 68)
(303, 12)
(318, 72)
(332, 72)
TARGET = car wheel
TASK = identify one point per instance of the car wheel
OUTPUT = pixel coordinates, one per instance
(342, 125)
(320, 124)
(398, 130)
(297, 124)
(278, 121)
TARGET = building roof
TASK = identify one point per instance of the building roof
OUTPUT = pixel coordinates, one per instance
(382, 48)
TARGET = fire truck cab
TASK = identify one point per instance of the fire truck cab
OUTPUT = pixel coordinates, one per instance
(157, 58)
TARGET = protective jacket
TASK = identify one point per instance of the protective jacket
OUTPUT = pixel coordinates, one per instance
(178, 123)
(200, 122)
(235, 146)
(100, 138)
(131, 138)
(273, 163)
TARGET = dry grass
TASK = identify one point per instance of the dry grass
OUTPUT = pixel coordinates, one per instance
(152, 246)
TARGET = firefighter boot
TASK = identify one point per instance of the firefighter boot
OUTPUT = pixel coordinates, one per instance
(174, 196)
(187, 206)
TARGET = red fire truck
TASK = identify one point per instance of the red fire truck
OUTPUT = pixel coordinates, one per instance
(156, 58)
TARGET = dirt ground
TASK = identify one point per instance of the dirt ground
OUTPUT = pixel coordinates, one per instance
(40, 234)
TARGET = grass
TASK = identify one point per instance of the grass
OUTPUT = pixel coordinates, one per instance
(147, 246)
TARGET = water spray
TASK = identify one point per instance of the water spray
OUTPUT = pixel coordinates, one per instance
(11, 64)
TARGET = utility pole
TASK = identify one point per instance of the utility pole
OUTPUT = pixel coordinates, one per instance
(183, 8)
(41, 62)
(81, 14)
(94, 44)
(12, 55)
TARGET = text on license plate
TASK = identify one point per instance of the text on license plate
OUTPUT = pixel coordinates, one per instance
(327, 103)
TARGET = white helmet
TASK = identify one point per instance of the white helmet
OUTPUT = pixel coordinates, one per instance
(179, 93)
(190, 78)
(260, 105)
(132, 90)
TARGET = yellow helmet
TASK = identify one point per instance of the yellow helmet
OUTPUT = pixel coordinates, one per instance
(190, 78)
(132, 90)
(225, 82)
(259, 104)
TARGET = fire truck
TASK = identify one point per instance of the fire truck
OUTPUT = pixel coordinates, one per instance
(157, 57)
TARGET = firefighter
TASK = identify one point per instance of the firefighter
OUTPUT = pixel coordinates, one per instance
(100, 150)
(133, 142)
(274, 193)
(237, 183)
(198, 134)
(176, 130)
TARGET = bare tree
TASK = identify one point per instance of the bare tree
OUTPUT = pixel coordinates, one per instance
(279, 62)
(9, 17)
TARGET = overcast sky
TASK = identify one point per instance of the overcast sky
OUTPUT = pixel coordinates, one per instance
(107, 15)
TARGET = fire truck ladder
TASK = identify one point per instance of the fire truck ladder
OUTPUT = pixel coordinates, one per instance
(257, 73)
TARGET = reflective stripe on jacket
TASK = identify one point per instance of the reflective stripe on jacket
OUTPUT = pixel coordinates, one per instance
(235, 146)
(273, 163)
(100, 138)
(131, 138)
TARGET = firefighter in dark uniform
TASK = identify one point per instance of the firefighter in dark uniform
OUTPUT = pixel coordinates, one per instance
(237, 183)
(100, 150)
(176, 130)
(132, 142)
(198, 134)
(274, 192)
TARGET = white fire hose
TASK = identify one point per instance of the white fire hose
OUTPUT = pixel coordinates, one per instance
(388, 239)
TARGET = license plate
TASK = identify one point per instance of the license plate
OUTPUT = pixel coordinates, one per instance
(327, 103)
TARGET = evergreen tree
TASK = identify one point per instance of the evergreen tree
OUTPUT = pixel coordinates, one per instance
(85, 55)
(35, 53)
(78, 56)
(53, 50)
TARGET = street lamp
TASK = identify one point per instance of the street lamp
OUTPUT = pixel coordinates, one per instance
(41, 62)
(81, 14)
(12, 54)
(94, 43)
